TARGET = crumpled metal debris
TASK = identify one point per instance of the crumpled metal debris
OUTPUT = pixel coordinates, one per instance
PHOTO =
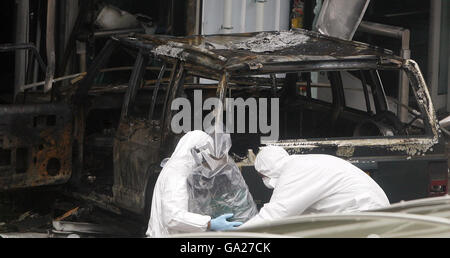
(269, 42)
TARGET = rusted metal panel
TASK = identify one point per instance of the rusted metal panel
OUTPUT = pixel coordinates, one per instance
(136, 153)
(39, 139)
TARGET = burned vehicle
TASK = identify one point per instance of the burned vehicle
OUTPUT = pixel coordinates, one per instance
(335, 97)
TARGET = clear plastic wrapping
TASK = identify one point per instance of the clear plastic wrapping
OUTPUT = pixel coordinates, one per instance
(216, 186)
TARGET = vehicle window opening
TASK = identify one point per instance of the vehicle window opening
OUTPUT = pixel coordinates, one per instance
(22, 160)
(51, 120)
(345, 104)
(39, 121)
(53, 166)
(5, 157)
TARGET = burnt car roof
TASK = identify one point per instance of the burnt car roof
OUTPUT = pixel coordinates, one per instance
(266, 52)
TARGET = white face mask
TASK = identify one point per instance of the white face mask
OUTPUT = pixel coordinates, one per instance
(269, 182)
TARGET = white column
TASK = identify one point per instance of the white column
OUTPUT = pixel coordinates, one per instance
(260, 15)
(243, 15)
(433, 53)
(277, 14)
(227, 25)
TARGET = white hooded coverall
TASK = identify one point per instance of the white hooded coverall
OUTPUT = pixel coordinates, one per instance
(306, 184)
(169, 210)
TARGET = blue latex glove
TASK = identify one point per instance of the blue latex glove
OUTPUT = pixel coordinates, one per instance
(220, 223)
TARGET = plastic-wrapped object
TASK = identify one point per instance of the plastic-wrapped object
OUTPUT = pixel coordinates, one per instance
(216, 185)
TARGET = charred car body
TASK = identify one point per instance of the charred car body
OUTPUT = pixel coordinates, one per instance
(111, 139)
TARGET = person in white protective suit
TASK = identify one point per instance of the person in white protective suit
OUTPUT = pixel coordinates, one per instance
(169, 210)
(314, 183)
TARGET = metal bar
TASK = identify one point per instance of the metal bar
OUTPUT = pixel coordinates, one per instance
(198, 14)
(378, 92)
(155, 91)
(135, 79)
(32, 85)
(308, 85)
(329, 65)
(99, 62)
(381, 86)
(38, 40)
(366, 92)
(173, 90)
(405, 52)
(381, 29)
(168, 89)
(222, 87)
(53, 108)
(21, 36)
(171, 18)
(71, 42)
(178, 81)
(274, 84)
(28, 46)
(218, 112)
(30, 67)
(60, 32)
(338, 101)
(50, 44)
(434, 45)
(375, 93)
(107, 33)
(81, 52)
(403, 91)
(81, 75)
